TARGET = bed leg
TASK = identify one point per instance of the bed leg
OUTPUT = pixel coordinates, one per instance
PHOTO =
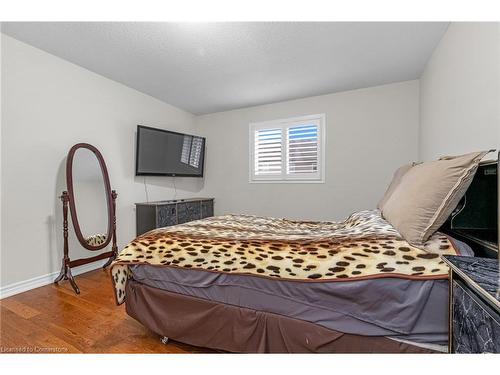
(164, 340)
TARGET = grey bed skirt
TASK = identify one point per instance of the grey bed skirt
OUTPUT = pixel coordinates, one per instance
(230, 328)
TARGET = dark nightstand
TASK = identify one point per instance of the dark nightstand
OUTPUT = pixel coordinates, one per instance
(474, 305)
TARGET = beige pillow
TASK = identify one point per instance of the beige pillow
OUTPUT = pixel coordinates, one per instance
(398, 175)
(427, 194)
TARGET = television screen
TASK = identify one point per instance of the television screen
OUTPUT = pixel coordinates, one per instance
(165, 153)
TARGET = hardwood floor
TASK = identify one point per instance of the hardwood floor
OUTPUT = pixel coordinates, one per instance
(54, 319)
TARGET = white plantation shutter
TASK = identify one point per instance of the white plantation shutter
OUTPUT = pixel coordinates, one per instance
(268, 152)
(302, 150)
(287, 150)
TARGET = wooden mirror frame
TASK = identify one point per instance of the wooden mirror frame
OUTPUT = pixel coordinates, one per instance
(68, 198)
(72, 205)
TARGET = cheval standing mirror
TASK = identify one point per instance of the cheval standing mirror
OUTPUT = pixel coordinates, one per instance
(92, 207)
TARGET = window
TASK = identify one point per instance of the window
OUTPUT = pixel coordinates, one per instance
(288, 150)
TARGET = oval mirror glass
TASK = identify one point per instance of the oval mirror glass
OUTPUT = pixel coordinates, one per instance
(88, 187)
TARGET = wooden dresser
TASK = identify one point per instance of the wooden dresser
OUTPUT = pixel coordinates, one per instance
(160, 214)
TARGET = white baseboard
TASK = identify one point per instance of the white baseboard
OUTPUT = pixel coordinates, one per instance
(37, 282)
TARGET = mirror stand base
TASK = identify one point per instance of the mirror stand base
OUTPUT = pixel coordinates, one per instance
(67, 275)
(67, 264)
(111, 259)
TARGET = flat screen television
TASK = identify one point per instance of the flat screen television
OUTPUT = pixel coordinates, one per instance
(165, 153)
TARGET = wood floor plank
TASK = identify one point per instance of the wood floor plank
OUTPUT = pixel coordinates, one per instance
(34, 338)
(20, 308)
(54, 318)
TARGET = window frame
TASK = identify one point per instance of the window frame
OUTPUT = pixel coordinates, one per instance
(284, 124)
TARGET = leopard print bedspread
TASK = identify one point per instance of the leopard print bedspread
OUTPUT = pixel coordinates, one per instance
(364, 246)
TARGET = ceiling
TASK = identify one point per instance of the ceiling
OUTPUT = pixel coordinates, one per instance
(211, 67)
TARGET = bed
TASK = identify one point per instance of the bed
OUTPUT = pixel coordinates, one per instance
(242, 283)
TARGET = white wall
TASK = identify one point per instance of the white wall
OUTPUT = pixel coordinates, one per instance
(48, 105)
(459, 92)
(370, 132)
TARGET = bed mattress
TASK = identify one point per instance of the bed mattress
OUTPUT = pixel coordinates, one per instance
(362, 247)
(414, 310)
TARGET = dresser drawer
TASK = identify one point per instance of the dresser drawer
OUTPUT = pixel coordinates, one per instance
(476, 327)
(207, 208)
(166, 215)
(188, 211)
